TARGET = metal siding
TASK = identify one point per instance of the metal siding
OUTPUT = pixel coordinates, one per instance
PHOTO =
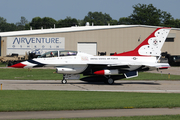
(173, 47)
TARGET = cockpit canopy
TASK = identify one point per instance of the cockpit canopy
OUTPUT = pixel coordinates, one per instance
(58, 54)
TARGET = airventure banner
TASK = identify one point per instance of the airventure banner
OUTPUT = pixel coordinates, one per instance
(38, 45)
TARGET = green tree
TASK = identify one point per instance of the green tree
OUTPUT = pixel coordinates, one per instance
(11, 27)
(23, 21)
(2, 24)
(21, 25)
(45, 22)
(165, 17)
(2, 20)
(125, 21)
(80, 22)
(27, 27)
(113, 22)
(177, 23)
(36, 23)
(148, 15)
(172, 23)
(68, 22)
(98, 18)
(48, 22)
(145, 15)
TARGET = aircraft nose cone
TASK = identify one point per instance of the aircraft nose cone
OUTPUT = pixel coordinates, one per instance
(18, 65)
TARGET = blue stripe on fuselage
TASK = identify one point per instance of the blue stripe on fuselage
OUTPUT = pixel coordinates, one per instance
(38, 64)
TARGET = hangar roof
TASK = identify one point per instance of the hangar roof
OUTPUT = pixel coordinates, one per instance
(67, 29)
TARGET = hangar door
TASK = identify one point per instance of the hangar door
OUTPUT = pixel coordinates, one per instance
(87, 47)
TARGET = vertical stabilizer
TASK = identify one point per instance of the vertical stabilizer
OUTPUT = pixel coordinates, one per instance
(151, 46)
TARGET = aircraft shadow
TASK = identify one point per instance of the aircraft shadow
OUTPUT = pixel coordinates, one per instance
(38, 82)
(143, 83)
(115, 83)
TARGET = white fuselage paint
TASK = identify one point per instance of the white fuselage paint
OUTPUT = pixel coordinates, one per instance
(77, 64)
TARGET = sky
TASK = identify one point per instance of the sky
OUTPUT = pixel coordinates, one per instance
(12, 10)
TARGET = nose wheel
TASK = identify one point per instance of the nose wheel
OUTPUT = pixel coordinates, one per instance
(64, 81)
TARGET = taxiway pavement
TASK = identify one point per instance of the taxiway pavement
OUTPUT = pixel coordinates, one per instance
(77, 85)
(89, 113)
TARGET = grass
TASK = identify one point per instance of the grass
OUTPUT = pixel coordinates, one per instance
(3, 64)
(24, 74)
(160, 117)
(21, 100)
(49, 74)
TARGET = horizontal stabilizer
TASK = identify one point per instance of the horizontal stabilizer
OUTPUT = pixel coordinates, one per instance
(131, 74)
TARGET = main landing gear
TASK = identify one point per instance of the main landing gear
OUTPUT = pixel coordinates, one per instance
(109, 80)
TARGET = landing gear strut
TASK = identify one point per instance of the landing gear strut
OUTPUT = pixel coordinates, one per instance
(64, 81)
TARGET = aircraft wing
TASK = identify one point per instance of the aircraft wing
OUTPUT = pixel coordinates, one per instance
(123, 67)
(131, 66)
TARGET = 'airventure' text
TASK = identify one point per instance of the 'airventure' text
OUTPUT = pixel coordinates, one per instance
(36, 40)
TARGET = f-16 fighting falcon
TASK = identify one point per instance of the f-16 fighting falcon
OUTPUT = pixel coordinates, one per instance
(107, 68)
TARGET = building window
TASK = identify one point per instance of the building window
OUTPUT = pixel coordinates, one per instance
(169, 40)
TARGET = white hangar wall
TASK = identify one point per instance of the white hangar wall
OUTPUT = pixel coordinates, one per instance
(108, 39)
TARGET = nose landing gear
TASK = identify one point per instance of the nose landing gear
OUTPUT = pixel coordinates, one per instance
(64, 81)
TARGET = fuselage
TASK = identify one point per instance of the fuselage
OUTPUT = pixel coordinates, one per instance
(80, 62)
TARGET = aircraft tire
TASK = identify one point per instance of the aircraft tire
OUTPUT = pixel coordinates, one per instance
(64, 81)
(110, 81)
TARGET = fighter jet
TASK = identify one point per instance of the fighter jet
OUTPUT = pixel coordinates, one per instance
(107, 68)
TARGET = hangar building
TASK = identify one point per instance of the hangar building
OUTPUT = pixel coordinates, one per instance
(89, 39)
